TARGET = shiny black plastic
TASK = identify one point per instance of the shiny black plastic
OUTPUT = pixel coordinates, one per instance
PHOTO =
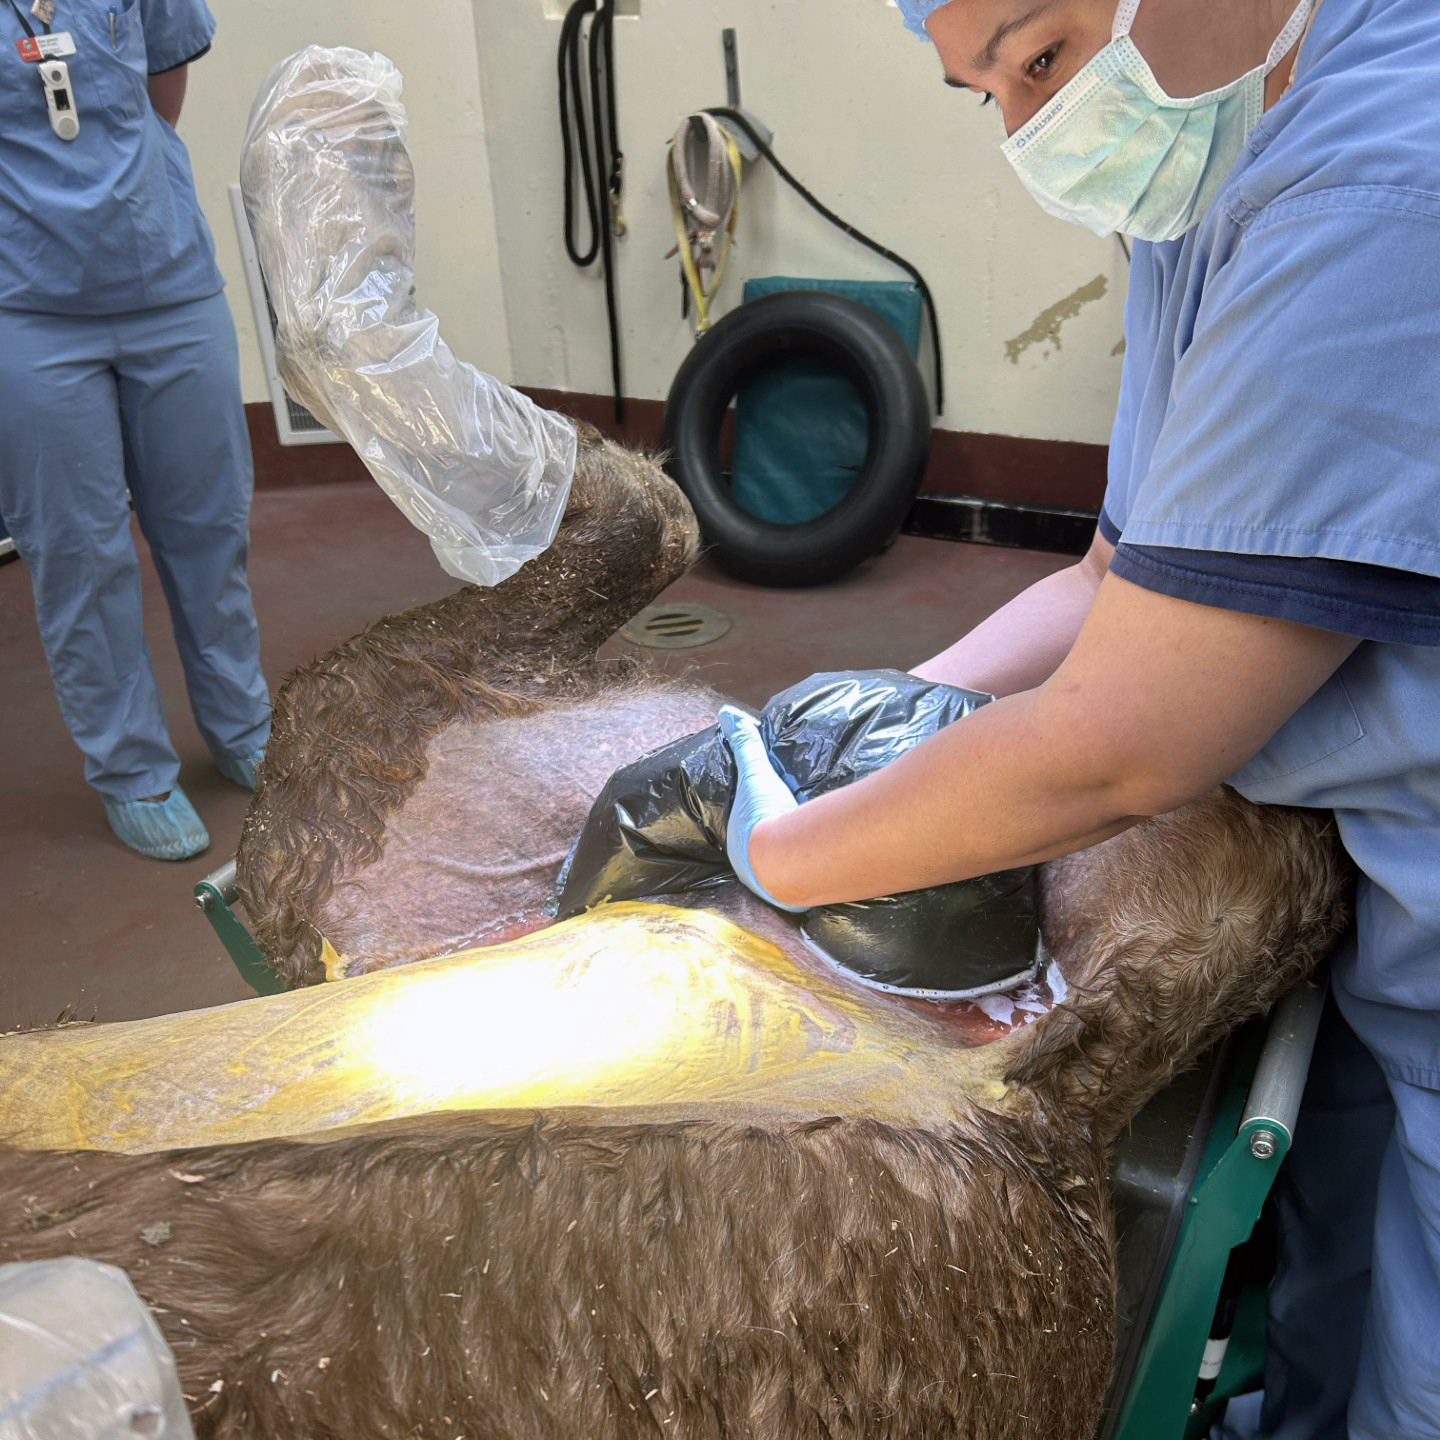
(950, 942)
(659, 827)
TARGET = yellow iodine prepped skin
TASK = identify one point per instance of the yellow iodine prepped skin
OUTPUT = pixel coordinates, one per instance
(631, 1008)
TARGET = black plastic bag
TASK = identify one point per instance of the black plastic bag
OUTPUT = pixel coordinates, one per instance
(658, 827)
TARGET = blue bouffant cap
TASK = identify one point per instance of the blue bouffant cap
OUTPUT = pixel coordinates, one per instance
(916, 12)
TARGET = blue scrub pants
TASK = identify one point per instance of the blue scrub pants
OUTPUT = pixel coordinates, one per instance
(150, 400)
(1353, 1345)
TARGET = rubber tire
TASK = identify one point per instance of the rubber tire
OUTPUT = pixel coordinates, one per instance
(854, 340)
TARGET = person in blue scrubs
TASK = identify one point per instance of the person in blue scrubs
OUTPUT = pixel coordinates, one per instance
(1261, 604)
(119, 368)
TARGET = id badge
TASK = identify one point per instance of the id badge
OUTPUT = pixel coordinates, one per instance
(34, 48)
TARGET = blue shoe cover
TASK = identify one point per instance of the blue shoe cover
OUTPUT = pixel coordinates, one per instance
(167, 829)
(240, 768)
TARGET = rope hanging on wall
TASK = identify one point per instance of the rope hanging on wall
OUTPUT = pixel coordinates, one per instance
(705, 220)
(594, 139)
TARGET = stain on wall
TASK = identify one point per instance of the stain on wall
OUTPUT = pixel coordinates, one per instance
(1045, 328)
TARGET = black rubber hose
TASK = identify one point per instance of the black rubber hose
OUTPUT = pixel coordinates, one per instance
(737, 117)
(573, 135)
(610, 166)
(602, 182)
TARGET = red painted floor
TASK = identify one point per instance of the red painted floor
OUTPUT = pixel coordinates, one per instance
(90, 925)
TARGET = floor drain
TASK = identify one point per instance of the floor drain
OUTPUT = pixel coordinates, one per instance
(676, 625)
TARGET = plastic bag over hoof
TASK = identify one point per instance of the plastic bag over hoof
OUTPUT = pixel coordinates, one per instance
(658, 827)
(330, 195)
(81, 1358)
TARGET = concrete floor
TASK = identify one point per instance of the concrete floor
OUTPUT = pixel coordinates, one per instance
(88, 925)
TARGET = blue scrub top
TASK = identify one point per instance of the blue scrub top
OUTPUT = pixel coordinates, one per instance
(107, 222)
(1281, 398)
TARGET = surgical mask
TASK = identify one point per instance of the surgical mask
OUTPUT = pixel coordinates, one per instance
(1114, 152)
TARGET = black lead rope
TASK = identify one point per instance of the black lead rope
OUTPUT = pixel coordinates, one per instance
(45, 24)
(594, 138)
(737, 117)
(19, 15)
(573, 135)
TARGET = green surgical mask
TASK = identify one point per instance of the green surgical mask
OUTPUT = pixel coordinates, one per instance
(1113, 152)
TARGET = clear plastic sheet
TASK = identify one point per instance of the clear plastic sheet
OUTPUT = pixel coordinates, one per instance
(634, 1010)
(330, 194)
(659, 828)
(81, 1358)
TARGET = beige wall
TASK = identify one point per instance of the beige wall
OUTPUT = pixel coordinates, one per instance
(1030, 308)
(458, 264)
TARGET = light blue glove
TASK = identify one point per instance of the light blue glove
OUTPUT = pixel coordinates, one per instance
(760, 794)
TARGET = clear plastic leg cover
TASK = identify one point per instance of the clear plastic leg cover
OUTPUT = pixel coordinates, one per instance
(81, 1358)
(330, 194)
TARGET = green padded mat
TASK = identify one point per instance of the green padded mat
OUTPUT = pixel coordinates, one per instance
(800, 428)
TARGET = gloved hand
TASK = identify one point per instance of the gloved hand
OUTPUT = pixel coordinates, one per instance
(760, 794)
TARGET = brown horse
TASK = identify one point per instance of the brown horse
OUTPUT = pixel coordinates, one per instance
(928, 1252)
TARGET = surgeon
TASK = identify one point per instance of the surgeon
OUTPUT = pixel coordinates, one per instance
(1261, 604)
(118, 368)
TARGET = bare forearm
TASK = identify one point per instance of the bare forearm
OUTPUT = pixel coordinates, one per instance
(1023, 643)
(987, 794)
(1129, 726)
(167, 93)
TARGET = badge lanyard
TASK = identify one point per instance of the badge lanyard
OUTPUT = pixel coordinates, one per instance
(45, 52)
